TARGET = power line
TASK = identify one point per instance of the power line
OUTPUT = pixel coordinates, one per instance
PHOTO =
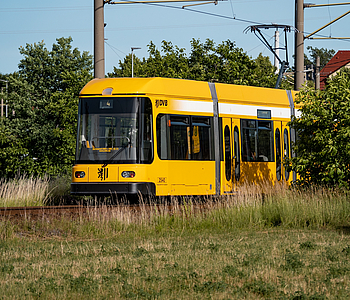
(44, 31)
(233, 14)
(153, 4)
(195, 10)
(31, 9)
(114, 48)
(209, 14)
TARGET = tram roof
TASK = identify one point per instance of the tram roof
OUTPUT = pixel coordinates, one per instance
(186, 89)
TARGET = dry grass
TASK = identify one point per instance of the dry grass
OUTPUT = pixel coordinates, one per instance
(33, 191)
(251, 208)
(24, 191)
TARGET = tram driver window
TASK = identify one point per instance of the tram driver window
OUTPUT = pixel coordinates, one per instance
(257, 141)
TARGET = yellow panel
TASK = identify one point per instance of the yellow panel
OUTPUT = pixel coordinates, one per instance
(258, 171)
(188, 89)
(206, 189)
(191, 172)
(149, 86)
(178, 189)
(162, 190)
(252, 95)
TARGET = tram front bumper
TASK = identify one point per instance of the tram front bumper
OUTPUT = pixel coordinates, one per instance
(128, 188)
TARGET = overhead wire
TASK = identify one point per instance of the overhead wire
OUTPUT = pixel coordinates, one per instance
(194, 10)
(25, 9)
(234, 18)
(233, 14)
(115, 48)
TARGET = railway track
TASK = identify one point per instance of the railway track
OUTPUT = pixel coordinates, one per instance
(40, 210)
(78, 210)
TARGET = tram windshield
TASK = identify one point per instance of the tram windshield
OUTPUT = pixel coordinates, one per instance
(115, 130)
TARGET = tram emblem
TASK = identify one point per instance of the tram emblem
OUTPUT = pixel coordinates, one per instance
(160, 102)
(102, 173)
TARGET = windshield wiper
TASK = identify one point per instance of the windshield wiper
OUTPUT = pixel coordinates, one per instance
(116, 154)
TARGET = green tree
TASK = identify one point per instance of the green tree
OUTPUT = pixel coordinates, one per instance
(324, 54)
(13, 154)
(265, 75)
(207, 61)
(124, 69)
(323, 145)
(44, 97)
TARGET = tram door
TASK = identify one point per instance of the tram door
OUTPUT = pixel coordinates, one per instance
(278, 150)
(226, 173)
(285, 134)
(236, 160)
(231, 165)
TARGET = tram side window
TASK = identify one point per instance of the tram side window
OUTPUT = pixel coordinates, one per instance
(184, 137)
(179, 137)
(257, 141)
(202, 146)
(163, 136)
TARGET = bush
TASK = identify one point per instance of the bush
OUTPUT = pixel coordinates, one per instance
(323, 144)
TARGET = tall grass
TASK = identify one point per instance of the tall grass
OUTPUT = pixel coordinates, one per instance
(251, 208)
(270, 206)
(30, 191)
(24, 191)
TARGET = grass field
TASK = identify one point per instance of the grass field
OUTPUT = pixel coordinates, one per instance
(278, 264)
(283, 245)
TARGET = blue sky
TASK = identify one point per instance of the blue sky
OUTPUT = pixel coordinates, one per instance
(135, 25)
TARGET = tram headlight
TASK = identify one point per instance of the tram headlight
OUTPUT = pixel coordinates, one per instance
(128, 174)
(79, 174)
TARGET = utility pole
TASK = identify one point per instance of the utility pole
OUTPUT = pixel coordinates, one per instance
(317, 81)
(2, 104)
(99, 45)
(132, 60)
(299, 44)
(299, 37)
(2, 99)
(277, 51)
(99, 42)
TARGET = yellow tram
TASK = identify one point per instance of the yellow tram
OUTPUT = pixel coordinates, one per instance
(161, 136)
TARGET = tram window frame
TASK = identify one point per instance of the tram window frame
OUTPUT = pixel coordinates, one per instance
(254, 139)
(188, 148)
(236, 152)
(146, 132)
(278, 154)
(221, 140)
(228, 157)
(286, 151)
